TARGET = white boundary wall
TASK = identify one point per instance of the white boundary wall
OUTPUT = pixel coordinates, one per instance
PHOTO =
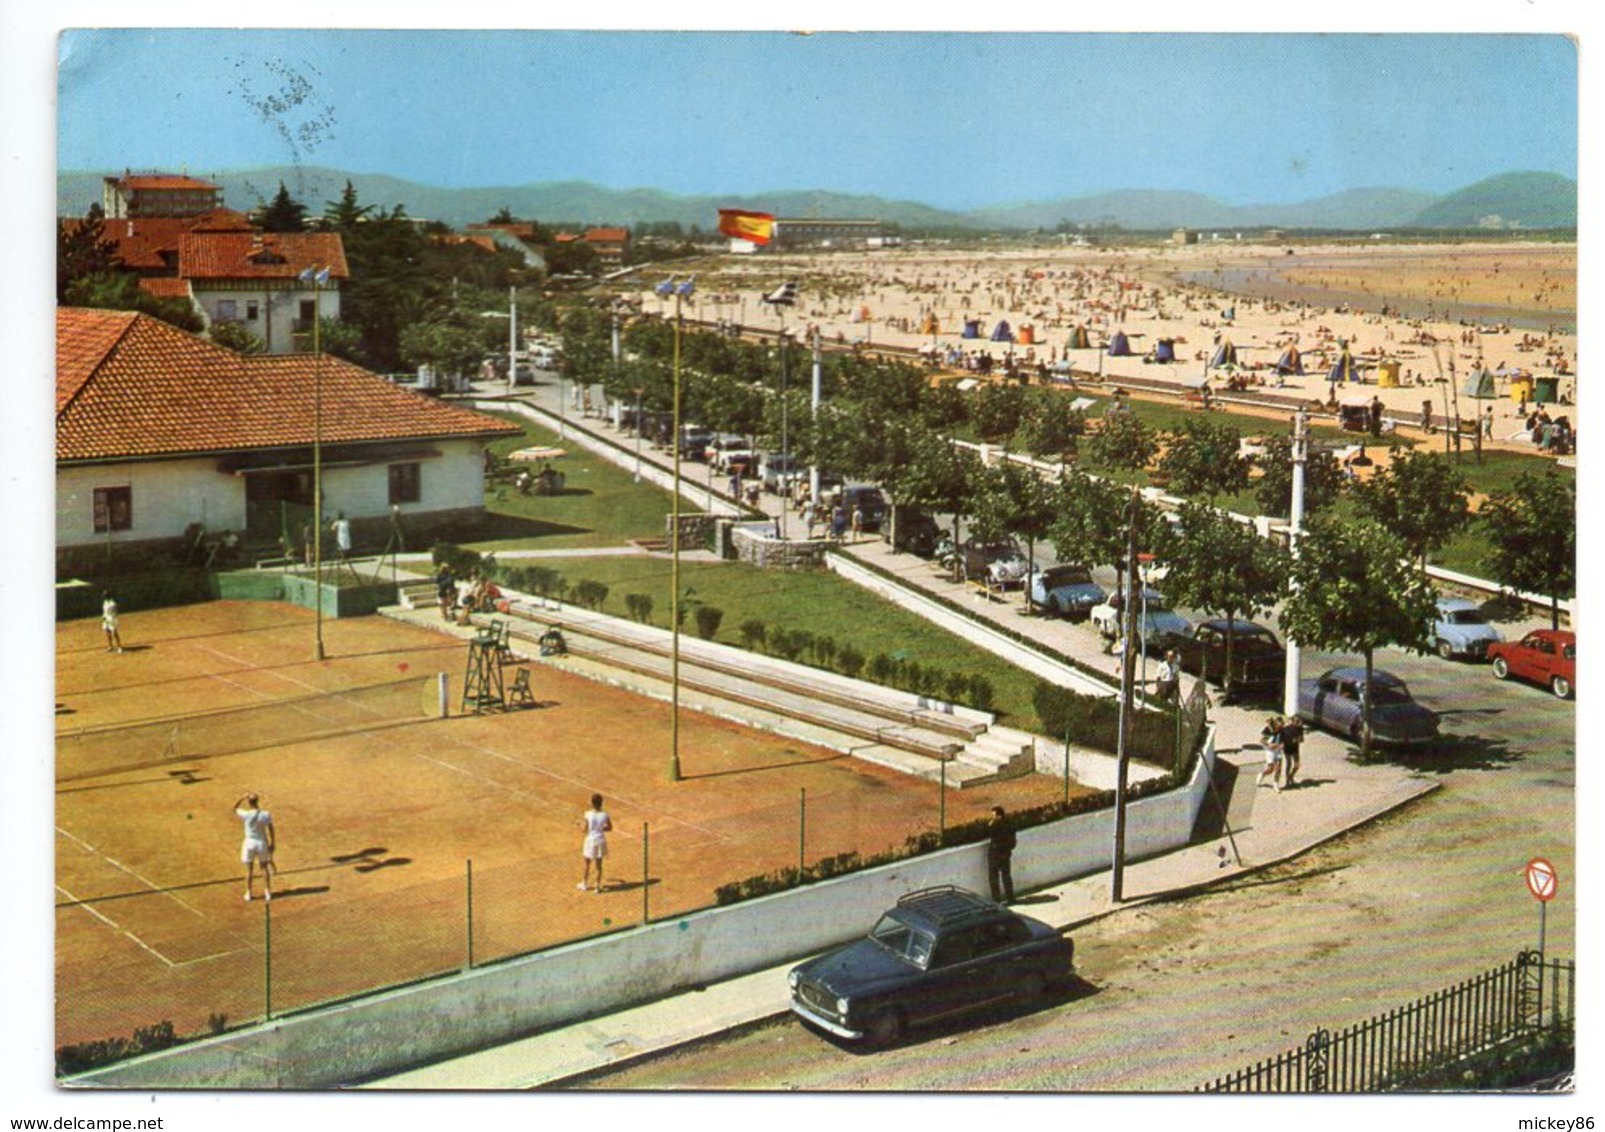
(456, 1014)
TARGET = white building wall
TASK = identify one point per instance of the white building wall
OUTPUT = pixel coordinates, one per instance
(277, 309)
(168, 495)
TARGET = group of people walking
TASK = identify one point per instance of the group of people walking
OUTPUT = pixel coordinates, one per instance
(1281, 738)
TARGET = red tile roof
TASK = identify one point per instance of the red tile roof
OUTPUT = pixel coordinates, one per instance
(129, 386)
(142, 241)
(607, 235)
(247, 255)
(165, 287)
(162, 181)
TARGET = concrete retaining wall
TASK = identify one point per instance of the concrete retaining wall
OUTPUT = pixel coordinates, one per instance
(755, 543)
(390, 1031)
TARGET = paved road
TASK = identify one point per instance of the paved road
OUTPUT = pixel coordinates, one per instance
(1175, 994)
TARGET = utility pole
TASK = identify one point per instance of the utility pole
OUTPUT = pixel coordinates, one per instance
(1301, 446)
(813, 469)
(512, 339)
(1117, 874)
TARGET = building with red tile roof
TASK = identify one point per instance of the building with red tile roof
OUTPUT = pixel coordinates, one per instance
(158, 194)
(256, 279)
(610, 243)
(158, 430)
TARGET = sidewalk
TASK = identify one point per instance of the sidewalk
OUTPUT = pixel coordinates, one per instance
(1262, 828)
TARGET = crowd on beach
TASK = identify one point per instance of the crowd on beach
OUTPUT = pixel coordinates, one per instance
(1053, 314)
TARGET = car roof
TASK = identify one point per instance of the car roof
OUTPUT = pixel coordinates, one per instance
(1355, 672)
(945, 905)
(1450, 604)
(1564, 636)
(1238, 625)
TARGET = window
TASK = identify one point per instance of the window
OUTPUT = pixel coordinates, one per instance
(114, 509)
(227, 310)
(404, 483)
(251, 311)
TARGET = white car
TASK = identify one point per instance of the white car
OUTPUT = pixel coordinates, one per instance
(1157, 623)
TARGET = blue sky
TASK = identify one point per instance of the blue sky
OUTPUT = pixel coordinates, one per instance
(952, 119)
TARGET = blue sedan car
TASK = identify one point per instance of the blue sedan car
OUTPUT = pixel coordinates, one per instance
(1334, 702)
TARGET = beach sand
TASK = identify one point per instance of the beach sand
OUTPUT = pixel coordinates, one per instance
(1440, 311)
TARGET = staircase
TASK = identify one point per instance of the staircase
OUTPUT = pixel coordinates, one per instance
(894, 729)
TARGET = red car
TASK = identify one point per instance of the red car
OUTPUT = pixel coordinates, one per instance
(1544, 656)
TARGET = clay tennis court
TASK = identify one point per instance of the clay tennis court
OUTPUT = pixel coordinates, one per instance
(379, 806)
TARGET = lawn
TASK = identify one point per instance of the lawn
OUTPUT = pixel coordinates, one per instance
(817, 602)
(600, 505)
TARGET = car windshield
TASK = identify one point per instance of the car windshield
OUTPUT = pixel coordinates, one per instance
(902, 941)
(1068, 576)
(1257, 636)
(1389, 694)
(1465, 617)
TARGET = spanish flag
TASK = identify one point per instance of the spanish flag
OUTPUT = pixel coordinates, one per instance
(754, 227)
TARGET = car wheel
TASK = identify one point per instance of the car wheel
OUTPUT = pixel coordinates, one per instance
(1501, 669)
(884, 1028)
(1561, 686)
(1446, 650)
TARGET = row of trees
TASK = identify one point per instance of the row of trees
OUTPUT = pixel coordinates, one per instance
(1359, 582)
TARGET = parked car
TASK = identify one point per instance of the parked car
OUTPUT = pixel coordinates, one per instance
(1066, 590)
(1333, 701)
(999, 562)
(938, 952)
(917, 532)
(1259, 662)
(1460, 629)
(694, 441)
(1157, 623)
(1544, 656)
(779, 471)
(868, 499)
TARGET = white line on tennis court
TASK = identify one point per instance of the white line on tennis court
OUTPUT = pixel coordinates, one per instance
(146, 881)
(114, 925)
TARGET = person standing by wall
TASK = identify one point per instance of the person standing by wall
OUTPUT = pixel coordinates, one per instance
(999, 857)
(597, 825)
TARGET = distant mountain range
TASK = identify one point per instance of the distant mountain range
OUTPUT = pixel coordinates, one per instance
(1510, 200)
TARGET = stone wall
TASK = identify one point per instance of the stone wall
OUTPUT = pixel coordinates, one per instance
(756, 543)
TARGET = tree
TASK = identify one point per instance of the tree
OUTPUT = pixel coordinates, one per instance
(1323, 479)
(1052, 425)
(283, 213)
(1222, 566)
(345, 214)
(570, 257)
(1123, 442)
(1354, 588)
(1419, 497)
(82, 249)
(1533, 527)
(1205, 458)
(234, 336)
(1089, 521)
(117, 291)
(1015, 500)
(998, 410)
(937, 477)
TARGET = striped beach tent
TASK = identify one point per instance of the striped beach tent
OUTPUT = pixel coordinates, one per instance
(1345, 368)
(1225, 354)
(1290, 362)
(1080, 339)
(1120, 345)
(1001, 332)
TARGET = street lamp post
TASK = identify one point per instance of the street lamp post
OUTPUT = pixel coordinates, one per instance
(1301, 447)
(639, 390)
(680, 291)
(1117, 870)
(512, 340)
(317, 277)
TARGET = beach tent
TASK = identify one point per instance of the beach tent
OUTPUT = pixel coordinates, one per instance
(1388, 374)
(1080, 339)
(1001, 332)
(1028, 334)
(1229, 313)
(1479, 383)
(1165, 350)
(1345, 368)
(972, 328)
(1225, 354)
(1290, 362)
(1119, 345)
(930, 325)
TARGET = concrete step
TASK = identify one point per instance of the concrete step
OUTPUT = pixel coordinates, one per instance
(959, 775)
